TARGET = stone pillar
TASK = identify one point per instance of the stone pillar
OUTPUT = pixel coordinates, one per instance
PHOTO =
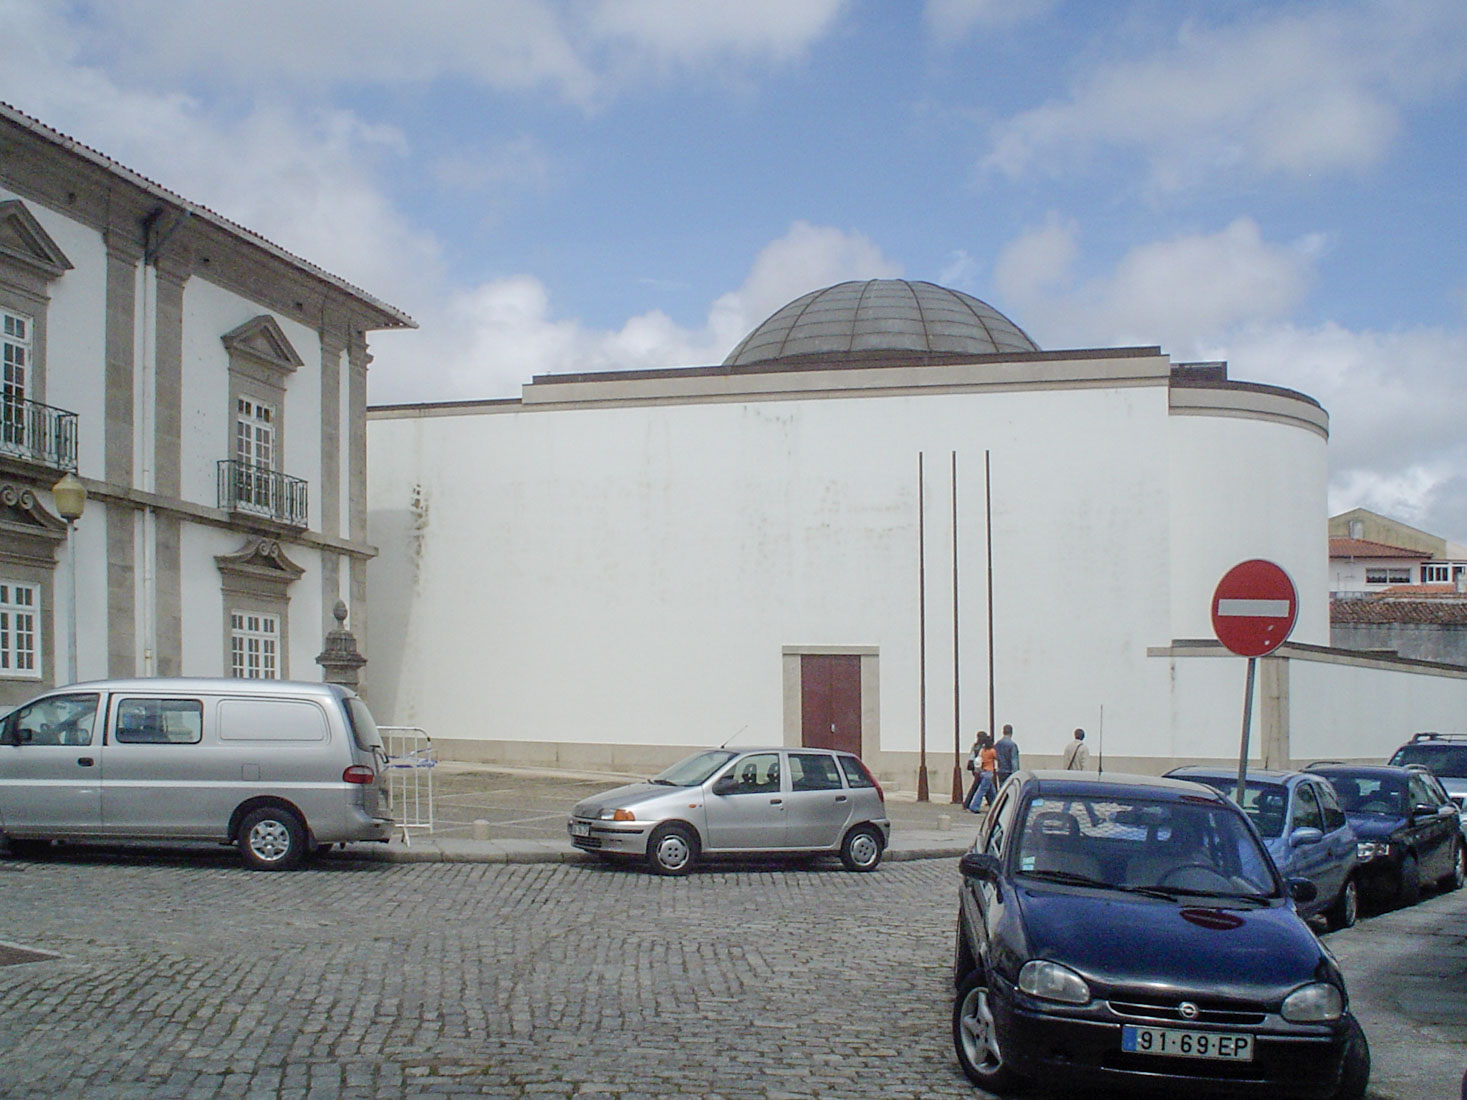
(340, 659)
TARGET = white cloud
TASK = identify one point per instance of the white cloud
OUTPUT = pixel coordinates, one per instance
(1296, 93)
(580, 51)
(1178, 293)
(491, 340)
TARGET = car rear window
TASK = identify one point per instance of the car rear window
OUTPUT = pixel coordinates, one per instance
(856, 773)
(363, 727)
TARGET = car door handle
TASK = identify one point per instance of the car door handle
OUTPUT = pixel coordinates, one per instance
(840, 798)
(775, 801)
(84, 761)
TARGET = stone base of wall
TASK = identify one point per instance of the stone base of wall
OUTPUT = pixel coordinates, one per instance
(896, 771)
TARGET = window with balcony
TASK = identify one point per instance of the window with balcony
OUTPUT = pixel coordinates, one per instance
(252, 480)
(30, 430)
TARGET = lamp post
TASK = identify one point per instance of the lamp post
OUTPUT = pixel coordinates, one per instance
(70, 496)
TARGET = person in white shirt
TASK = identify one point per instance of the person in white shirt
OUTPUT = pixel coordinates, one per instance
(1077, 755)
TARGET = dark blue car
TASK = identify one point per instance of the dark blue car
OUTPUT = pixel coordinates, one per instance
(1304, 828)
(1116, 931)
(1406, 827)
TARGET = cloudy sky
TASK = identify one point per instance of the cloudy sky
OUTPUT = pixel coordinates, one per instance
(567, 185)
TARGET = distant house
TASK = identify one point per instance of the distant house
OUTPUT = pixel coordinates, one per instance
(1405, 594)
(208, 389)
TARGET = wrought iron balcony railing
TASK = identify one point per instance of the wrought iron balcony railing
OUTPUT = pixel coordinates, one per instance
(37, 433)
(261, 491)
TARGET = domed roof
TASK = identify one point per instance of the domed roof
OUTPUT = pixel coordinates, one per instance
(865, 318)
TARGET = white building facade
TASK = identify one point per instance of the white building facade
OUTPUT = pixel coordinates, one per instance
(616, 568)
(208, 389)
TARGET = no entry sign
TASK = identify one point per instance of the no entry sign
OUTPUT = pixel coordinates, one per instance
(1254, 608)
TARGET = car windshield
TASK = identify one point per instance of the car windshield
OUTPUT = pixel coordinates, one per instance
(1367, 794)
(1264, 803)
(1442, 759)
(1170, 847)
(695, 769)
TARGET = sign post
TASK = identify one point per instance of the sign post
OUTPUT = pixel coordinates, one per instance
(1254, 608)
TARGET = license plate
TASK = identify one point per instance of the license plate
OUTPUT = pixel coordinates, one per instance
(580, 828)
(1175, 1043)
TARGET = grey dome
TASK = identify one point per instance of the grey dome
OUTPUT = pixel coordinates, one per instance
(866, 318)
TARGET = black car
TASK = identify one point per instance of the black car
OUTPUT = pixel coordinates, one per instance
(1122, 931)
(1406, 827)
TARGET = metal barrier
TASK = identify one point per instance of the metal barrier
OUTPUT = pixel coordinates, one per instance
(411, 759)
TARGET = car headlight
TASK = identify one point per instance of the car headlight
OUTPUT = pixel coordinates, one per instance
(1053, 982)
(1372, 849)
(1318, 1002)
(618, 815)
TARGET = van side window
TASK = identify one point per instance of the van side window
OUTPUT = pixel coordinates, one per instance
(55, 720)
(160, 721)
(271, 720)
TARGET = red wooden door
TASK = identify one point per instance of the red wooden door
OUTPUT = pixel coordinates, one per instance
(830, 701)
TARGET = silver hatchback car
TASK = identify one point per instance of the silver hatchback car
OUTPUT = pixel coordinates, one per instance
(726, 802)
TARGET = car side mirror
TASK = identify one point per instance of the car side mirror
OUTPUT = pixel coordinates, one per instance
(1307, 835)
(1303, 890)
(726, 785)
(1421, 809)
(983, 865)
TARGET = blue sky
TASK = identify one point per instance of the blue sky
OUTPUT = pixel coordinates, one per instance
(567, 185)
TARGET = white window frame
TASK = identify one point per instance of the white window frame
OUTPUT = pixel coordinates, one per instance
(20, 630)
(254, 449)
(1436, 573)
(254, 645)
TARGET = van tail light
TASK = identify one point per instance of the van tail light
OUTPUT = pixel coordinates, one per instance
(358, 773)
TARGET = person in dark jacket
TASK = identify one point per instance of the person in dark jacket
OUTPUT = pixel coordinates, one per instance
(1008, 755)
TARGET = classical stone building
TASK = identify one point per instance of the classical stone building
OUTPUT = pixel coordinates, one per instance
(208, 390)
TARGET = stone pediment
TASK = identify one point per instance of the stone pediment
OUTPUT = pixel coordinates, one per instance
(23, 240)
(261, 559)
(22, 513)
(261, 340)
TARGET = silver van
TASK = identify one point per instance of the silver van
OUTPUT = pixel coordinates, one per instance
(275, 767)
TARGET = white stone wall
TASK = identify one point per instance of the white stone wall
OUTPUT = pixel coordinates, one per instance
(629, 575)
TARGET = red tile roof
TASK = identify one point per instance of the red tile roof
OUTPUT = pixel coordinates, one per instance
(1340, 547)
(1434, 606)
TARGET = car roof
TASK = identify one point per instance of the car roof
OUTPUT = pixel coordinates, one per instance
(1381, 770)
(1053, 782)
(1262, 775)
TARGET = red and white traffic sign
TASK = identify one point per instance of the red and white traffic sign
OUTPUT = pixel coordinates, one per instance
(1254, 608)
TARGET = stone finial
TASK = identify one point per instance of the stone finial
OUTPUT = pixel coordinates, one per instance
(340, 659)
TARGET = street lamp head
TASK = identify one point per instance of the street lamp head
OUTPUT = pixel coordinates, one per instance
(70, 496)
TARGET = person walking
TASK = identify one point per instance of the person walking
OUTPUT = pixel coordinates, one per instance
(983, 763)
(1077, 754)
(1007, 751)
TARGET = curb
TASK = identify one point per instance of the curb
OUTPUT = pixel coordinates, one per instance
(449, 851)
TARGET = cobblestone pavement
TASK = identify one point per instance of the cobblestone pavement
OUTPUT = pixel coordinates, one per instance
(185, 976)
(181, 975)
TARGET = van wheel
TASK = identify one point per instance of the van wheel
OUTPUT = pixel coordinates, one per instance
(271, 839)
(861, 850)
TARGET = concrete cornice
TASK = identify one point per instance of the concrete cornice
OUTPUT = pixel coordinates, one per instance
(1250, 402)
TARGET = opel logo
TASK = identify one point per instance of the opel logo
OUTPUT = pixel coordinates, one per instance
(1188, 1010)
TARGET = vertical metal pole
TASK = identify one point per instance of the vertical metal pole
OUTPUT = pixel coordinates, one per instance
(1247, 722)
(922, 793)
(988, 521)
(958, 791)
(71, 623)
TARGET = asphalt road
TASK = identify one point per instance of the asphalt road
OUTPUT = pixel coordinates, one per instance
(177, 974)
